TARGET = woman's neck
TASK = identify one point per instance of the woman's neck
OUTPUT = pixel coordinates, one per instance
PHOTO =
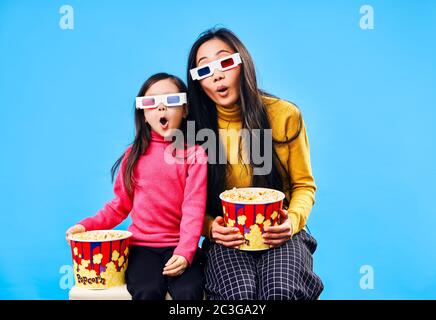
(231, 113)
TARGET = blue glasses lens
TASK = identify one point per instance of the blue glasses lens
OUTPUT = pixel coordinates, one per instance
(203, 71)
(173, 99)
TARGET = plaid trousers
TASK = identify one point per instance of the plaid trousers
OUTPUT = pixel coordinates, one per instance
(283, 273)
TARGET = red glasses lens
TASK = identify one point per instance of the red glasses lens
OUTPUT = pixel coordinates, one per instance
(227, 63)
(147, 102)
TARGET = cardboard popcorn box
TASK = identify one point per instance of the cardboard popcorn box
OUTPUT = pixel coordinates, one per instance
(100, 258)
(250, 210)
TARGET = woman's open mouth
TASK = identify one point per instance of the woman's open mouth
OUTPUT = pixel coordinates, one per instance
(164, 123)
(222, 91)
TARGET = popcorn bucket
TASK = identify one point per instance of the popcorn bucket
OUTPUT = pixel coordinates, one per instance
(253, 214)
(100, 258)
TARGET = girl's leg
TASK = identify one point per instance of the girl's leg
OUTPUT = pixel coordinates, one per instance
(230, 274)
(144, 274)
(190, 284)
(285, 273)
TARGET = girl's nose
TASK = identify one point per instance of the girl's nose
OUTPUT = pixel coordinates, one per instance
(161, 107)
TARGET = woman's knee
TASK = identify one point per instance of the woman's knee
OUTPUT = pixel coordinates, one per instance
(283, 293)
(293, 292)
(245, 292)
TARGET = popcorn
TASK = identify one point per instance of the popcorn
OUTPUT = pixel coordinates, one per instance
(106, 260)
(256, 195)
(274, 215)
(115, 255)
(85, 263)
(241, 220)
(231, 223)
(99, 235)
(254, 239)
(252, 210)
(96, 259)
(109, 278)
(259, 218)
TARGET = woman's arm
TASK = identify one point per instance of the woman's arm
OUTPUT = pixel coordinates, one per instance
(297, 159)
(302, 181)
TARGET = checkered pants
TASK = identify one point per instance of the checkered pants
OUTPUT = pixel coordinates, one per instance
(283, 273)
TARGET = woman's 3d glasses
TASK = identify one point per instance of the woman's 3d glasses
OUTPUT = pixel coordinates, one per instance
(208, 69)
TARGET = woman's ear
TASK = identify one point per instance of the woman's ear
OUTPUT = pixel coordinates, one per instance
(145, 118)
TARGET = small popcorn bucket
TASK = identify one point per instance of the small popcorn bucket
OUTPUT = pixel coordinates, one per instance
(251, 217)
(99, 261)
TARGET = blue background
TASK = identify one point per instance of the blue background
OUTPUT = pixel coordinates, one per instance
(367, 97)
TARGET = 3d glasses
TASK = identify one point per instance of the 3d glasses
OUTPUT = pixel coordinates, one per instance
(208, 69)
(169, 100)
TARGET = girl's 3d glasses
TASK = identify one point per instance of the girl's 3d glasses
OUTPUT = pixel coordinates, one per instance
(169, 100)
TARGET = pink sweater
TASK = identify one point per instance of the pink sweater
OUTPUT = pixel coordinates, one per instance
(168, 202)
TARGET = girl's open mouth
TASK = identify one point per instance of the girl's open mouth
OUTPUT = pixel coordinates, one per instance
(164, 123)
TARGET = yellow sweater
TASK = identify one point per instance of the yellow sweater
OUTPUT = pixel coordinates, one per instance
(295, 156)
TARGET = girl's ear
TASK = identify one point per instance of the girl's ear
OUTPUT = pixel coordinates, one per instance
(185, 111)
(145, 118)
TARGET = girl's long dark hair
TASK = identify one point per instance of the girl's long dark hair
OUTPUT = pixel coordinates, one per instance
(143, 131)
(254, 116)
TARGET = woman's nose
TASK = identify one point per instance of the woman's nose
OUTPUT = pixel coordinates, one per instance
(161, 107)
(218, 75)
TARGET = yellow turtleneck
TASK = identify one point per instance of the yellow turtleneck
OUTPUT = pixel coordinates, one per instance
(284, 120)
(229, 125)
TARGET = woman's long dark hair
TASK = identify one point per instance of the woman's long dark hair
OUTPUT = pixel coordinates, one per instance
(254, 116)
(143, 131)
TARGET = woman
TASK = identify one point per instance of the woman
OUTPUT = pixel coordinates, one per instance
(224, 96)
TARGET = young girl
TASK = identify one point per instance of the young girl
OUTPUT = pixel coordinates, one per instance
(166, 199)
(224, 96)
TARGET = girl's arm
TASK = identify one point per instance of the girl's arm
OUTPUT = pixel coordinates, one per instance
(302, 182)
(115, 211)
(194, 205)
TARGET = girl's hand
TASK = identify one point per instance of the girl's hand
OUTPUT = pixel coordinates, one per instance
(226, 236)
(175, 266)
(276, 236)
(78, 228)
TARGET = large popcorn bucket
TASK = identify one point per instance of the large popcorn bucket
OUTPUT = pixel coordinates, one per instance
(252, 216)
(100, 258)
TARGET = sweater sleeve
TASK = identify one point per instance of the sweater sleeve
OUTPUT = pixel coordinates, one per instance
(115, 211)
(302, 181)
(194, 205)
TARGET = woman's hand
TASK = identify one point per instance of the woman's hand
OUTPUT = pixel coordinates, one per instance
(226, 236)
(175, 266)
(276, 236)
(78, 228)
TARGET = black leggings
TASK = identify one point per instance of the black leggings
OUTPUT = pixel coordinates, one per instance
(145, 280)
